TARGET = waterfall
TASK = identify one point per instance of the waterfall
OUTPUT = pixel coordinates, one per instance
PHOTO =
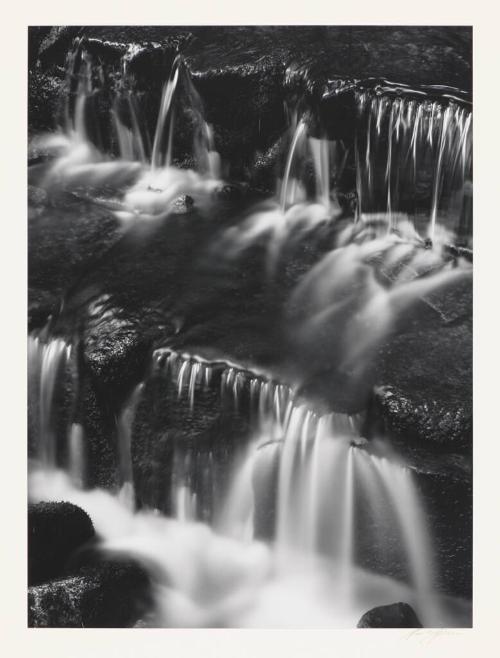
(326, 477)
(344, 528)
(124, 425)
(47, 360)
(132, 142)
(166, 117)
(323, 475)
(414, 156)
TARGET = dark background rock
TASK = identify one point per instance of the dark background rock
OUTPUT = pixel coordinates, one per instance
(55, 532)
(396, 615)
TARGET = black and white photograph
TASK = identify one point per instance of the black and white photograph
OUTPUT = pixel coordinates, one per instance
(249, 347)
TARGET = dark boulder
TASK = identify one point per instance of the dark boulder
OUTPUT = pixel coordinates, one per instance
(395, 615)
(114, 594)
(55, 532)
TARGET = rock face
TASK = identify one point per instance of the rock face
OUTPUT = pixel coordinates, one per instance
(174, 444)
(396, 615)
(66, 237)
(112, 595)
(55, 532)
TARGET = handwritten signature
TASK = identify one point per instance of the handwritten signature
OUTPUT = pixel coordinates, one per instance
(426, 635)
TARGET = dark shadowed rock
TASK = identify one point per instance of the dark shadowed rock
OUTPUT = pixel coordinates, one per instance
(447, 503)
(114, 594)
(65, 240)
(424, 374)
(172, 439)
(396, 615)
(55, 532)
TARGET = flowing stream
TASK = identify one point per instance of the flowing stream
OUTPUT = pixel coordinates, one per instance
(345, 528)
(309, 573)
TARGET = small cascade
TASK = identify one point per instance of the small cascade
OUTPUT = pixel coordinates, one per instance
(138, 179)
(323, 476)
(124, 426)
(80, 88)
(306, 198)
(47, 361)
(134, 143)
(319, 159)
(326, 477)
(165, 124)
(76, 455)
(414, 157)
(267, 401)
(206, 157)
(289, 192)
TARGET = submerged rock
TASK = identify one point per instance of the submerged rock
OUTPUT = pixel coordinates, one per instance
(114, 594)
(182, 204)
(395, 615)
(55, 532)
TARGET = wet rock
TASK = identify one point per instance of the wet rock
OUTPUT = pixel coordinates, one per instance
(114, 594)
(64, 242)
(395, 615)
(174, 443)
(42, 304)
(182, 205)
(55, 532)
(98, 420)
(424, 372)
(447, 504)
(245, 75)
(44, 90)
(114, 348)
(37, 196)
(444, 422)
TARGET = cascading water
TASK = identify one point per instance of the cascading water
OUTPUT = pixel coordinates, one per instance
(347, 528)
(47, 360)
(414, 156)
(325, 476)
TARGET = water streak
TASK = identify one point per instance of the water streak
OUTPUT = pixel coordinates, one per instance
(415, 156)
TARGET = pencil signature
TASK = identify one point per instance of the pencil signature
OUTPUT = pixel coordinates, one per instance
(428, 635)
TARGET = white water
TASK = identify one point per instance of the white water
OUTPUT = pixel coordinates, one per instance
(309, 574)
(356, 295)
(402, 144)
(221, 575)
(142, 190)
(46, 360)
